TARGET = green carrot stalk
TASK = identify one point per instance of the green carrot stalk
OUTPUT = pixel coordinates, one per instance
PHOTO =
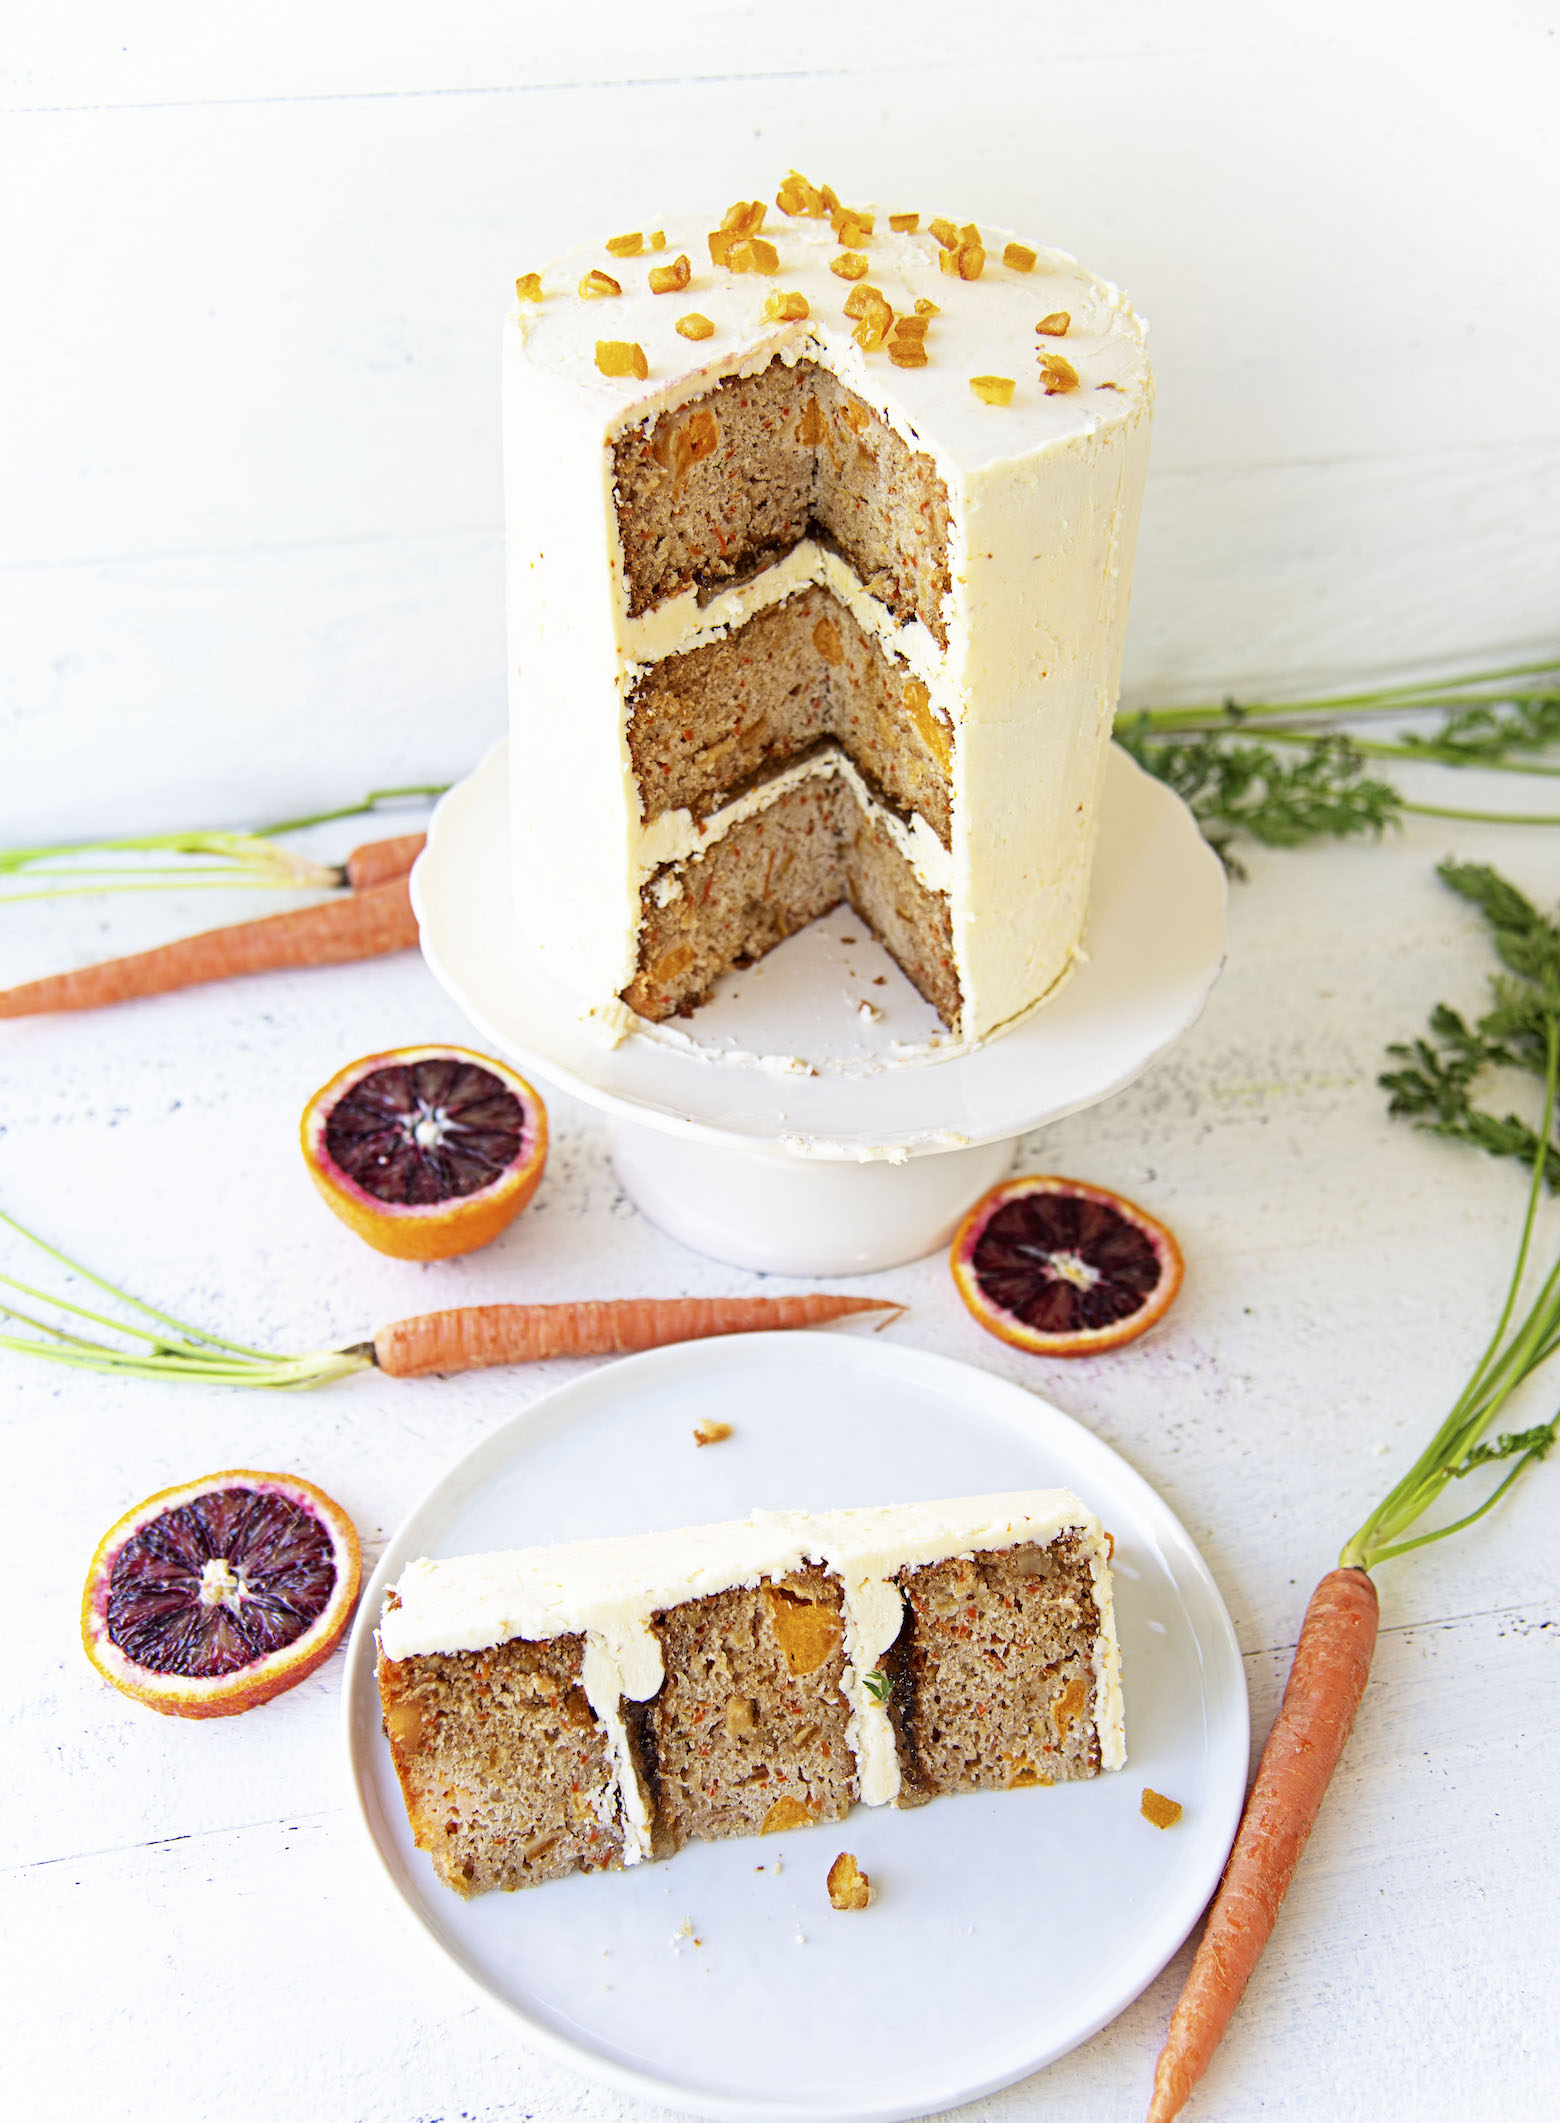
(234, 860)
(1332, 1660)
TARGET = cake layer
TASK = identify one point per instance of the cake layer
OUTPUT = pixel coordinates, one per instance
(818, 842)
(745, 1677)
(708, 724)
(710, 493)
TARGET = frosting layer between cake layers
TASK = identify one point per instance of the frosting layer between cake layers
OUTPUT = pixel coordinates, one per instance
(1008, 658)
(609, 1590)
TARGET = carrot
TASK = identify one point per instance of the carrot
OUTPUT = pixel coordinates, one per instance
(1328, 1676)
(478, 1335)
(377, 861)
(357, 925)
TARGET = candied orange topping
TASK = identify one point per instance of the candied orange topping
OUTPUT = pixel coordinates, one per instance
(528, 288)
(785, 309)
(851, 226)
(904, 224)
(849, 1887)
(850, 265)
(693, 326)
(968, 261)
(1163, 1812)
(828, 199)
(626, 246)
(907, 354)
(621, 357)
(746, 218)
(670, 279)
(826, 640)
(993, 390)
(720, 242)
(946, 232)
(597, 283)
(1059, 374)
(658, 240)
(924, 308)
(1020, 257)
(1056, 325)
(970, 234)
(874, 314)
(762, 255)
(911, 327)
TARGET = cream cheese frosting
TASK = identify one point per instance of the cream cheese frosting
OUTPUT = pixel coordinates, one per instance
(608, 1591)
(1044, 495)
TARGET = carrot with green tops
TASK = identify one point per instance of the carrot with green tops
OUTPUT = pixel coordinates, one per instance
(467, 1339)
(479, 1335)
(377, 861)
(364, 924)
(1332, 1660)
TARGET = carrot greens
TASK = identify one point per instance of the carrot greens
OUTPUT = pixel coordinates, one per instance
(237, 860)
(1435, 1089)
(1281, 774)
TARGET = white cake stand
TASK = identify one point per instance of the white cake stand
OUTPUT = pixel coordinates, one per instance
(813, 1118)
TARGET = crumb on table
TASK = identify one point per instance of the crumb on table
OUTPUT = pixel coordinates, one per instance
(710, 1433)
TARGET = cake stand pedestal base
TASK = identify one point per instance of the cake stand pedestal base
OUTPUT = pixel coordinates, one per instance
(787, 1215)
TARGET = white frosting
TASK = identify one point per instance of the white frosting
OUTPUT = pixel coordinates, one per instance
(1044, 496)
(607, 1591)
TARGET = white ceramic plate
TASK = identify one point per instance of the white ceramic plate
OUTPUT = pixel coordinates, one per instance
(1008, 1926)
(737, 1073)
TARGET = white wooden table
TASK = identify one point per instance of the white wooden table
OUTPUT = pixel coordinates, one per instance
(251, 563)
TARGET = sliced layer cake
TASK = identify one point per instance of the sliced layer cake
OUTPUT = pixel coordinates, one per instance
(585, 1706)
(820, 540)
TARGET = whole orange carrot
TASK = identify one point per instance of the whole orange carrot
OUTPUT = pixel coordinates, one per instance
(478, 1335)
(1326, 1681)
(357, 925)
(377, 861)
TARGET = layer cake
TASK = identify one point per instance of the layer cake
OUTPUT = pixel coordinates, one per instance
(820, 537)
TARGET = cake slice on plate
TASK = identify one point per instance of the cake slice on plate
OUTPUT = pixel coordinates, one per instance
(593, 1704)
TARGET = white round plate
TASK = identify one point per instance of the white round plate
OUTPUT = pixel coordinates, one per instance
(1008, 1926)
(780, 1058)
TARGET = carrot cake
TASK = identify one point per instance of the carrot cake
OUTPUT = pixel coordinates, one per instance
(820, 537)
(600, 1702)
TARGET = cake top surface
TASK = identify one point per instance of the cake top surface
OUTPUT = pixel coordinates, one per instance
(784, 289)
(468, 1602)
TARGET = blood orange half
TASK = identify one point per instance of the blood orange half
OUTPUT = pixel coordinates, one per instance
(210, 1598)
(1063, 1268)
(426, 1152)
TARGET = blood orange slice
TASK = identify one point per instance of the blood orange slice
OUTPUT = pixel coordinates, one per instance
(207, 1599)
(1063, 1268)
(426, 1151)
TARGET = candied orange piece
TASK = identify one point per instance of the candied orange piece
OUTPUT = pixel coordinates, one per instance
(907, 354)
(1163, 1812)
(849, 1887)
(1056, 324)
(710, 1432)
(826, 640)
(658, 240)
(528, 288)
(993, 390)
(851, 226)
(1069, 1705)
(925, 308)
(968, 261)
(808, 1632)
(970, 234)
(785, 1813)
(785, 309)
(1059, 374)
(746, 218)
(946, 232)
(622, 357)
(597, 283)
(693, 326)
(904, 224)
(1020, 257)
(720, 242)
(934, 735)
(850, 265)
(810, 429)
(627, 246)
(671, 279)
